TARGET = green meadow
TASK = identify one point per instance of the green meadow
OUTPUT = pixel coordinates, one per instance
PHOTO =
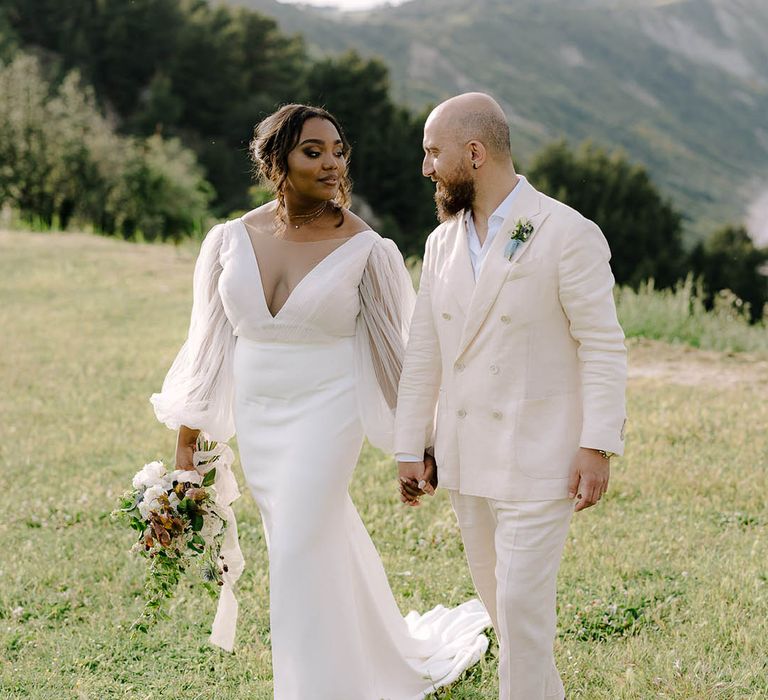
(663, 588)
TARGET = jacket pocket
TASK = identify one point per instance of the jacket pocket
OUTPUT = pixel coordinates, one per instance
(523, 269)
(547, 435)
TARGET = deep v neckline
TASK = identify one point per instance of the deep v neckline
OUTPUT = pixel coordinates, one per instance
(321, 262)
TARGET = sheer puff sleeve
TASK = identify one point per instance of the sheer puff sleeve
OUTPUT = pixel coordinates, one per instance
(386, 303)
(198, 389)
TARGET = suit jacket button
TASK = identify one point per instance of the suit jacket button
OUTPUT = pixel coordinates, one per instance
(494, 369)
(497, 415)
(505, 319)
(461, 413)
(447, 316)
(459, 366)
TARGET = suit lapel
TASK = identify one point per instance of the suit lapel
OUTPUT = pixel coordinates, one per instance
(496, 267)
(459, 268)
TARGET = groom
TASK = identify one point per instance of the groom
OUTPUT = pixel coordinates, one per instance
(515, 343)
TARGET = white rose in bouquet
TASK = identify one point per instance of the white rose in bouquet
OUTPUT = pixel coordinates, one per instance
(149, 475)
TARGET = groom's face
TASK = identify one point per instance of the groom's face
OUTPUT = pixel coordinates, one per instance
(445, 164)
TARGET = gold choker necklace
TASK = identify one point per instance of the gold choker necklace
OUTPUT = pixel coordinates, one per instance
(308, 218)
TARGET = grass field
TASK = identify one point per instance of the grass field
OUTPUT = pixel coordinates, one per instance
(663, 589)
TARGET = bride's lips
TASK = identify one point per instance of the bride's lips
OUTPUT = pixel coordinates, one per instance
(330, 181)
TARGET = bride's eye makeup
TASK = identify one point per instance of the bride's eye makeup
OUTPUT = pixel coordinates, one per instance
(312, 153)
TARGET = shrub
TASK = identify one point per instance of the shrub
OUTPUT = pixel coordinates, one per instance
(61, 161)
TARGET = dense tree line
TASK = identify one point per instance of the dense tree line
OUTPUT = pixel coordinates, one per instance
(207, 74)
(143, 111)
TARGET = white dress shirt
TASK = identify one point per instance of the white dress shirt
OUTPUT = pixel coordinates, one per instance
(478, 252)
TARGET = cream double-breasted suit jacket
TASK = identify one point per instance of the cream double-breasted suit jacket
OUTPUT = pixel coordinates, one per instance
(525, 365)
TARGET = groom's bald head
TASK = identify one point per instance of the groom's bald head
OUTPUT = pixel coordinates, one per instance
(466, 152)
(474, 116)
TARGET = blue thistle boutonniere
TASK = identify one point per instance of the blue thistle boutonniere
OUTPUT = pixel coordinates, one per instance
(522, 232)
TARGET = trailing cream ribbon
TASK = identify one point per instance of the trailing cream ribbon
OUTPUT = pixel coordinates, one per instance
(225, 484)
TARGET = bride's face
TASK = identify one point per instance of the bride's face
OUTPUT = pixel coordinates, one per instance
(318, 162)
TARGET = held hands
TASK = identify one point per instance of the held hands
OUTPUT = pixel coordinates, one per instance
(589, 476)
(416, 479)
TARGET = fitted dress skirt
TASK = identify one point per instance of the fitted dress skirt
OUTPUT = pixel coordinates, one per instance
(336, 630)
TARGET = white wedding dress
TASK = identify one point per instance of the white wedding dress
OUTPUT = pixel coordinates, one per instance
(302, 388)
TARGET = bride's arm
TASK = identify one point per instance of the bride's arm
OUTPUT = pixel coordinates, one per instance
(422, 369)
(197, 391)
(386, 304)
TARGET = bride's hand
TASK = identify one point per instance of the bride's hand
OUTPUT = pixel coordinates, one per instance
(185, 448)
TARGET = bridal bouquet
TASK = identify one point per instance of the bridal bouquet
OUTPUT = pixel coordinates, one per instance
(180, 522)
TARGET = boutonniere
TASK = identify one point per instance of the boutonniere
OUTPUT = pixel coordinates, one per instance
(522, 232)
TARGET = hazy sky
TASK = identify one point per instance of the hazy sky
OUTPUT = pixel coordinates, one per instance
(346, 4)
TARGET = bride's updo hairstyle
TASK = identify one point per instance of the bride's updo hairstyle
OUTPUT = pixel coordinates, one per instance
(276, 136)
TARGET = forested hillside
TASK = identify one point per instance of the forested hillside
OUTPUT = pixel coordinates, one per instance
(680, 85)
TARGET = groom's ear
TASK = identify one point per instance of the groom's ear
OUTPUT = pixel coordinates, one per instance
(478, 154)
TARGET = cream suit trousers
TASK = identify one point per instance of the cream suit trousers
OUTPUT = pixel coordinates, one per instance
(514, 550)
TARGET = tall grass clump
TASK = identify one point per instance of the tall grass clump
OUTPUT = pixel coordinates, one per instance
(679, 315)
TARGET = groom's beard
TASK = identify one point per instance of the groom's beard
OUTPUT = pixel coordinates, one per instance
(454, 195)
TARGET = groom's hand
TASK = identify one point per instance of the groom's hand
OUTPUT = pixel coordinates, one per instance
(588, 480)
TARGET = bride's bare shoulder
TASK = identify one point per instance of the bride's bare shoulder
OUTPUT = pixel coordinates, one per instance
(352, 224)
(261, 219)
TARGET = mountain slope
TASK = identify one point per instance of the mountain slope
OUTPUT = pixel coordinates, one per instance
(680, 85)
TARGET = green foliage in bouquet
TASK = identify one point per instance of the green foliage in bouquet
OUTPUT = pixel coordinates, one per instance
(178, 525)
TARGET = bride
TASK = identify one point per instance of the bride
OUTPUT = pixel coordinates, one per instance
(297, 333)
